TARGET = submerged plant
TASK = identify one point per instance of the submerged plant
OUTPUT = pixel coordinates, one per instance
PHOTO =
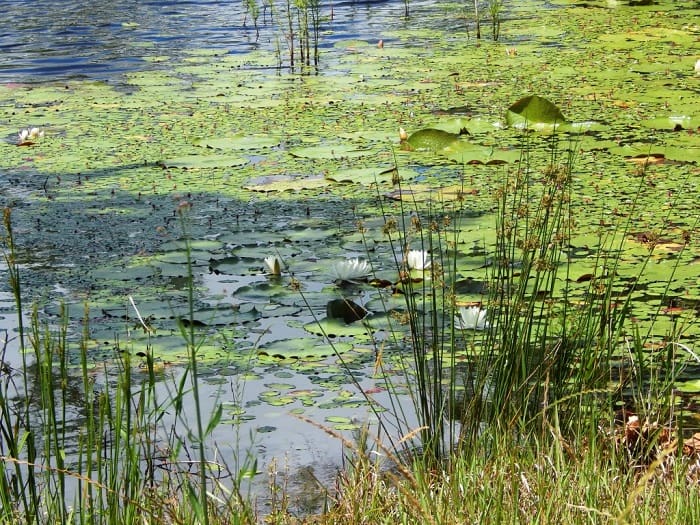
(495, 7)
(252, 9)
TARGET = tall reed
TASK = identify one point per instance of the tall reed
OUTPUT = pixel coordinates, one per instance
(543, 363)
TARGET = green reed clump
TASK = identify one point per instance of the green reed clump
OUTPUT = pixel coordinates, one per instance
(495, 7)
(578, 481)
(545, 358)
(515, 422)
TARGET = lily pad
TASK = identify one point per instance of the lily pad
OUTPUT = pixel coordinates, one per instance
(330, 151)
(466, 152)
(279, 183)
(534, 112)
(239, 142)
(190, 162)
(430, 139)
(365, 176)
(302, 349)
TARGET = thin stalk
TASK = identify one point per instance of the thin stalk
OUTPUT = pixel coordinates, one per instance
(24, 489)
(87, 445)
(190, 337)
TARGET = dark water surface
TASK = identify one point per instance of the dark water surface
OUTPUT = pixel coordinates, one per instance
(43, 41)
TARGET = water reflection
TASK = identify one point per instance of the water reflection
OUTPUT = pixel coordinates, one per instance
(55, 40)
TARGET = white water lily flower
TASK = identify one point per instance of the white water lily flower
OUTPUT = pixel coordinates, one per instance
(30, 134)
(418, 260)
(274, 264)
(471, 318)
(349, 269)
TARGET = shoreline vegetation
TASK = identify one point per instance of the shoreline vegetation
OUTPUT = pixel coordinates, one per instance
(524, 413)
(531, 345)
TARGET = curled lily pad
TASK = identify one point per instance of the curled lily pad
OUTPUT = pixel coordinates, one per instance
(534, 112)
(345, 309)
(431, 139)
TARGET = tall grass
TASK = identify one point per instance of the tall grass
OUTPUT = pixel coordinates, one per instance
(524, 429)
(545, 363)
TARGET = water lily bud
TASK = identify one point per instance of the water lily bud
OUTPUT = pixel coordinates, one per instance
(274, 265)
(402, 134)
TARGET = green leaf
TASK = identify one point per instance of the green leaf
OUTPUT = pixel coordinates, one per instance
(431, 139)
(239, 142)
(215, 419)
(534, 112)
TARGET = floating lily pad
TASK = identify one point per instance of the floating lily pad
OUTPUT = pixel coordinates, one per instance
(239, 142)
(365, 176)
(334, 328)
(534, 112)
(330, 151)
(280, 183)
(466, 152)
(434, 140)
(204, 161)
(302, 349)
(427, 192)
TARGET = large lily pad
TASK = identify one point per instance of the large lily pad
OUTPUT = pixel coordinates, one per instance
(434, 140)
(280, 183)
(302, 349)
(330, 151)
(534, 112)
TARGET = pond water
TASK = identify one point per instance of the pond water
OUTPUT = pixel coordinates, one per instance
(58, 40)
(149, 104)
